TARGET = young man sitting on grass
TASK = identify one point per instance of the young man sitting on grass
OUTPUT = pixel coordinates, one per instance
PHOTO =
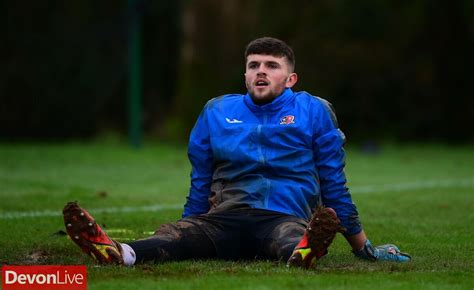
(261, 164)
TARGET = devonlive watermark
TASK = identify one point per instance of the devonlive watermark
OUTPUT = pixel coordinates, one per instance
(44, 277)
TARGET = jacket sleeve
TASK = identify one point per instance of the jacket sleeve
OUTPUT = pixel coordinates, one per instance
(329, 155)
(200, 156)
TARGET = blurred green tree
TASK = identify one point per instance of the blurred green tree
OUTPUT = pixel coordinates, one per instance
(392, 69)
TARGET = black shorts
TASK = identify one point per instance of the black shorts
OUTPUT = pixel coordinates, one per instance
(242, 233)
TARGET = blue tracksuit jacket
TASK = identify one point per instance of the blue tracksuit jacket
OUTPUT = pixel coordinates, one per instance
(284, 156)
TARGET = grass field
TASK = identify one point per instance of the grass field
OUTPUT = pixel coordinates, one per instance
(420, 197)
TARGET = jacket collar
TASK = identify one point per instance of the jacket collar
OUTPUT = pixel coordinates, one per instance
(275, 105)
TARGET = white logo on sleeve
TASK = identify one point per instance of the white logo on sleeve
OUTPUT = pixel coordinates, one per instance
(233, 121)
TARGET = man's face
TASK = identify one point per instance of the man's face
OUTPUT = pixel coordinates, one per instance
(266, 77)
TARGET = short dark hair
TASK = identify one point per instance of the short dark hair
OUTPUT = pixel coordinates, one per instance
(271, 46)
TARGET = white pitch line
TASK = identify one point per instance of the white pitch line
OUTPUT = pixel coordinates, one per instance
(54, 213)
(463, 183)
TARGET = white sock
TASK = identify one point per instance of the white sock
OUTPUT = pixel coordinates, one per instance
(128, 254)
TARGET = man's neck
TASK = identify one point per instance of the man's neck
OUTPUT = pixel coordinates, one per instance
(262, 102)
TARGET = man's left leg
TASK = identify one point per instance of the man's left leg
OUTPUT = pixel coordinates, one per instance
(293, 240)
(318, 236)
(279, 236)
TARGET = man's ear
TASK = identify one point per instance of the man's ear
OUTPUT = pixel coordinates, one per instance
(291, 80)
(245, 80)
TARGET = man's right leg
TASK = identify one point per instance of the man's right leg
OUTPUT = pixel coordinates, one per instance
(83, 230)
(181, 240)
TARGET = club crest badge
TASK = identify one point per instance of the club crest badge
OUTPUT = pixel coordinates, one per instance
(286, 120)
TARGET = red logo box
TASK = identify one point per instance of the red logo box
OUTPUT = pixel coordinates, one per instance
(44, 277)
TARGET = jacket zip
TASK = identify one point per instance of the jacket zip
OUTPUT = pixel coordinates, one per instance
(259, 134)
(262, 157)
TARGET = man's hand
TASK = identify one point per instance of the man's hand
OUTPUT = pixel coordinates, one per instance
(382, 253)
